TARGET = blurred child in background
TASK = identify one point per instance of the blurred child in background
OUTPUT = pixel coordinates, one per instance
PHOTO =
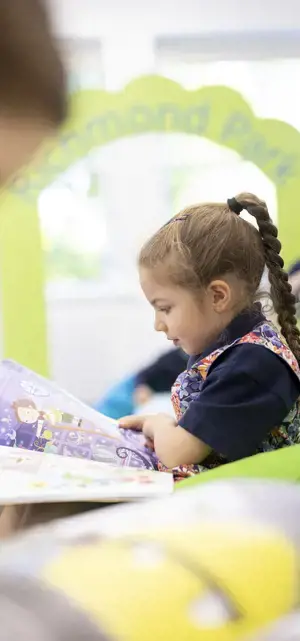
(155, 379)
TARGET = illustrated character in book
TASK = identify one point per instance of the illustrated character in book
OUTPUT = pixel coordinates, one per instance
(75, 424)
(70, 419)
(30, 423)
(56, 417)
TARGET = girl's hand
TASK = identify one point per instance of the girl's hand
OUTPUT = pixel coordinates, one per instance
(173, 444)
(132, 422)
(136, 423)
(148, 424)
(157, 422)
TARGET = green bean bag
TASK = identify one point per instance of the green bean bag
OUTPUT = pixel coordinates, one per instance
(283, 464)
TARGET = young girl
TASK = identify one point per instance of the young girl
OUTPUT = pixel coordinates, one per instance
(239, 394)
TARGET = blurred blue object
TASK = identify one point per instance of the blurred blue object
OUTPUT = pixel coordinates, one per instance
(118, 401)
(295, 267)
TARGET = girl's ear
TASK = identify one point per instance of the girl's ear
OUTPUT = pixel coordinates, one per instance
(221, 295)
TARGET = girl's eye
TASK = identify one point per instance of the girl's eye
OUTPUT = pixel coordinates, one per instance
(165, 310)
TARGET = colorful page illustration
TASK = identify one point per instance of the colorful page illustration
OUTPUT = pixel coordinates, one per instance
(31, 477)
(36, 414)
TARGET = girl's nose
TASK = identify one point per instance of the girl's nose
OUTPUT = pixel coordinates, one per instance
(159, 325)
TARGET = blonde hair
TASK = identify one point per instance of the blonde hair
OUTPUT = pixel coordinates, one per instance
(207, 241)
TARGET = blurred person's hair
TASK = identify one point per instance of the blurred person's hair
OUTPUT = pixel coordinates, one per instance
(32, 78)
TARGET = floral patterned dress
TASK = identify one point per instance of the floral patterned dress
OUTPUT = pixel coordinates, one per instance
(188, 385)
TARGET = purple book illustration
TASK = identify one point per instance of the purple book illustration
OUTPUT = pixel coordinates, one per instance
(36, 414)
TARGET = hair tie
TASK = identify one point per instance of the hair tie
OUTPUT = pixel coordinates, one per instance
(182, 217)
(234, 206)
(176, 219)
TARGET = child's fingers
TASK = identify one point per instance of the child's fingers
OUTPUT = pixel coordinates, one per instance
(132, 422)
(149, 443)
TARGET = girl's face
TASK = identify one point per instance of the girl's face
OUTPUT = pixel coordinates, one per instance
(190, 320)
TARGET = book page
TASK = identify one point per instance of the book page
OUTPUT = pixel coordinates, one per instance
(37, 415)
(33, 477)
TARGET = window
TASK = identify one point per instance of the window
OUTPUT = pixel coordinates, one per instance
(83, 62)
(71, 209)
(262, 67)
(73, 227)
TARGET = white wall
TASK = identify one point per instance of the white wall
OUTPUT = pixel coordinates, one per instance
(141, 18)
(127, 29)
(94, 341)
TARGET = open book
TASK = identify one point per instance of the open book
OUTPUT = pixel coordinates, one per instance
(33, 477)
(55, 448)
